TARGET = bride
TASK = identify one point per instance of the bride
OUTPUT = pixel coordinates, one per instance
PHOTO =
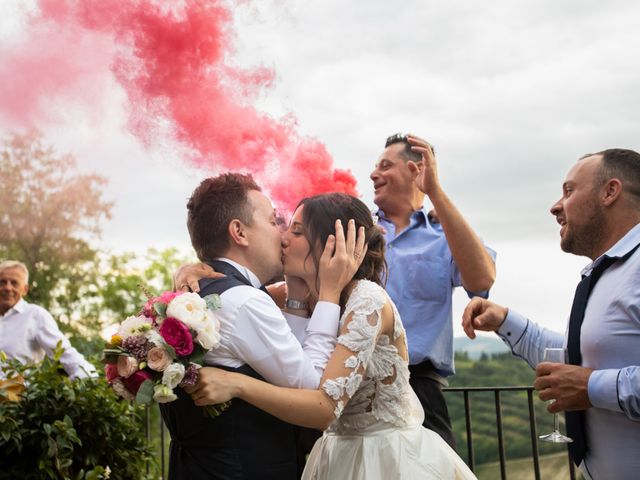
(372, 419)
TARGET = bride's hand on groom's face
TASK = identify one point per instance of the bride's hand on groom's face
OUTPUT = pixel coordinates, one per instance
(340, 260)
(213, 386)
(187, 276)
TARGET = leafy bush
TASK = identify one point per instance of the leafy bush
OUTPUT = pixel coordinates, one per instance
(69, 429)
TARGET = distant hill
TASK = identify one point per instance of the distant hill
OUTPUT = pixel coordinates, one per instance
(482, 344)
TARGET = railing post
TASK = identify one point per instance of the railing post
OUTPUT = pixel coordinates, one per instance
(147, 430)
(503, 466)
(572, 470)
(467, 415)
(162, 447)
(534, 434)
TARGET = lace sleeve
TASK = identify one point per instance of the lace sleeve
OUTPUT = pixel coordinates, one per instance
(359, 333)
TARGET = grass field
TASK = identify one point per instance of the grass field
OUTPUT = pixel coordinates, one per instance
(552, 467)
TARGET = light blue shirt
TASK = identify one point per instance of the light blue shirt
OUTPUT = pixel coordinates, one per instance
(422, 276)
(610, 345)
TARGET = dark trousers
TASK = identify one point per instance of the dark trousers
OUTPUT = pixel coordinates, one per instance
(428, 387)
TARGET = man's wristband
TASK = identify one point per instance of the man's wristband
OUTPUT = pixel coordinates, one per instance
(296, 304)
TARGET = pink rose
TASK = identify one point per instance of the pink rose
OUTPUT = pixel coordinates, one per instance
(127, 366)
(177, 334)
(158, 359)
(165, 298)
(134, 381)
(111, 372)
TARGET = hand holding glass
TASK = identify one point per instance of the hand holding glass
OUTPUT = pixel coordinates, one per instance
(555, 355)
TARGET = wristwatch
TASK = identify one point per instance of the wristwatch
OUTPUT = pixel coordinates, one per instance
(296, 304)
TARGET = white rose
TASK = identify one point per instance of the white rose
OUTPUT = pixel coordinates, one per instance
(163, 394)
(208, 337)
(134, 326)
(189, 308)
(173, 375)
(154, 337)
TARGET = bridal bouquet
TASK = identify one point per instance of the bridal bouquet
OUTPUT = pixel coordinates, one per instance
(163, 347)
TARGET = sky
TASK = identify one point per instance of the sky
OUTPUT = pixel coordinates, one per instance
(510, 94)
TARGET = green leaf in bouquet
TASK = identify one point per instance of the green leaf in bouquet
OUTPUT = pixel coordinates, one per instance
(171, 351)
(145, 392)
(114, 351)
(213, 301)
(213, 411)
(197, 356)
(160, 309)
(110, 355)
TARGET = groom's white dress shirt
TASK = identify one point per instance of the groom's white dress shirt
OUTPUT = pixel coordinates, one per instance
(254, 331)
(28, 332)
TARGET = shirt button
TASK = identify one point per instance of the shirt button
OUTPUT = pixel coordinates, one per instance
(508, 334)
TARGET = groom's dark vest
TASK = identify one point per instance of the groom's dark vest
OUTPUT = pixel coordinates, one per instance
(242, 443)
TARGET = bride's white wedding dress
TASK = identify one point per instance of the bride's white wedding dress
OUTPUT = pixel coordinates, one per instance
(377, 432)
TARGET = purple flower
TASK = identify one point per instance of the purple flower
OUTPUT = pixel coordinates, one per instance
(138, 346)
(190, 376)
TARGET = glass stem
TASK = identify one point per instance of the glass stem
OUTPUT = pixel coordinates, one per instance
(556, 422)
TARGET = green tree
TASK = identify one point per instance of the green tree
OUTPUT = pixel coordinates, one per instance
(48, 213)
(114, 287)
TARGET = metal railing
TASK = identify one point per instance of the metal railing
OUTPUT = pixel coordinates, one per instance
(497, 392)
(467, 393)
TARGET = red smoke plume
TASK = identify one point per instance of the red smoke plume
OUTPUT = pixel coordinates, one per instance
(171, 59)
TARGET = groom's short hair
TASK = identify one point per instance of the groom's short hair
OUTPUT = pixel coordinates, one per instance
(212, 206)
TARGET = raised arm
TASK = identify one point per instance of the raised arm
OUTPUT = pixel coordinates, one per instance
(476, 266)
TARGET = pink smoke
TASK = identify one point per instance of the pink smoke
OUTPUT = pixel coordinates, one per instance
(172, 61)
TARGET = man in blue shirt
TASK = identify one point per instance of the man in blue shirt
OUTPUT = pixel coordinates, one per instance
(599, 216)
(427, 259)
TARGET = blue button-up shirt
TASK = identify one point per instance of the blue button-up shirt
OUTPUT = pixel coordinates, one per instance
(421, 278)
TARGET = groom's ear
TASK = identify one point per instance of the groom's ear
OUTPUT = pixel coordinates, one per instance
(237, 232)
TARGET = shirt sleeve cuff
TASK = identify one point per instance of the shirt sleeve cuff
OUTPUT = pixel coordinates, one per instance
(325, 319)
(603, 389)
(513, 328)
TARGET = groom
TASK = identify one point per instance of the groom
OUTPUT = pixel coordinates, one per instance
(233, 228)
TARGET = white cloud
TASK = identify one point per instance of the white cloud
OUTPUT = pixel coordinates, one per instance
(511, 93)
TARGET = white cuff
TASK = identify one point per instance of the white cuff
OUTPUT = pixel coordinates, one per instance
(512, 328)
(603, 389)
(325, 319)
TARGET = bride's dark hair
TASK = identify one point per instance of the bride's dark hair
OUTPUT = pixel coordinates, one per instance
(318, 219)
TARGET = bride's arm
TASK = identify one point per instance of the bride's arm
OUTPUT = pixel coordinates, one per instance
(308, 408)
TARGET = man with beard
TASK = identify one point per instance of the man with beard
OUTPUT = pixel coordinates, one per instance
(599, 388)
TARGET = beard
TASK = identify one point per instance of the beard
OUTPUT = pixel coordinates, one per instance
(585, 238)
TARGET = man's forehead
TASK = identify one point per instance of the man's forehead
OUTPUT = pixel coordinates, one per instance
(586, 166)
(391, 154)
(12, 272)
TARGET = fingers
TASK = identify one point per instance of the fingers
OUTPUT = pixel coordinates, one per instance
(340, 240)
(361, 247)
(471, 311)
(350, 243)
(329, 248)
(420, 145)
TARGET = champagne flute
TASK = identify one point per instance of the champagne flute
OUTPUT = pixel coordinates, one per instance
(555, 355)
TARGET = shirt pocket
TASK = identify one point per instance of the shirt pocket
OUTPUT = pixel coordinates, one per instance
(427, 279)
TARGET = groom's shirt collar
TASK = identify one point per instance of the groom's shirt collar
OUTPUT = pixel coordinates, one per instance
(246, 273)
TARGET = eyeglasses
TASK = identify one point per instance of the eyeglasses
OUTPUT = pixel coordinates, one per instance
(402, 138)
